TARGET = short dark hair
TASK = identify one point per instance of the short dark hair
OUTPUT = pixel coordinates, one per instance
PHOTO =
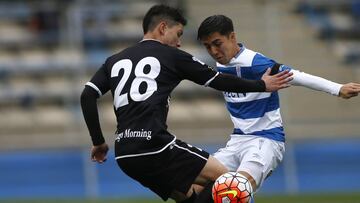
(161, 12)
(215, 23)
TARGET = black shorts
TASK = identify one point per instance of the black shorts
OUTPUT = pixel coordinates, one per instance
(175, 168)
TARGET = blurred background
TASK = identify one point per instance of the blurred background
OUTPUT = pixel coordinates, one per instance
(50, 48)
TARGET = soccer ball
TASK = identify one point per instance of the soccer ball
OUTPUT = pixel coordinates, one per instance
(232, 187)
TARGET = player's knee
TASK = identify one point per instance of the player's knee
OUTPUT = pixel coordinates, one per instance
(213, 169)
(250, 179)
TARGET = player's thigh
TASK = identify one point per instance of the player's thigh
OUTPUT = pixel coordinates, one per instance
(211, 171)
(261, 158)
(228, 155)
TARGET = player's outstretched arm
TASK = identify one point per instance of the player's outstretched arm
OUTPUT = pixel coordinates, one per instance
(349, 90)
(345, 91)
(231, 83)
(278, 81)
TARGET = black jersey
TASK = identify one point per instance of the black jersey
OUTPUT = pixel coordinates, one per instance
(141, 79)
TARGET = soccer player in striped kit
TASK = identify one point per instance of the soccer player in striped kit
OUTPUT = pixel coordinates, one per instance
(256, 146)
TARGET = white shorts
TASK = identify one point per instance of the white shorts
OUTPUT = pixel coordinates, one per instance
(258, 156)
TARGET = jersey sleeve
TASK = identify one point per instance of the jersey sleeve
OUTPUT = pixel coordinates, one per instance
(191, 68)
(100, 81)
(315, 83)
(261, 63)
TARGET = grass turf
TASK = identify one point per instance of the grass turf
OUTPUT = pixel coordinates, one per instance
(319, 198)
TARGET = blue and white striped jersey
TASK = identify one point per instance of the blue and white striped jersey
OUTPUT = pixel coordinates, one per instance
(253, 113)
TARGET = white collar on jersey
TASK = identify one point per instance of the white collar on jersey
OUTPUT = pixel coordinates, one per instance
(143, 40)
(242, 48)
(235, 60)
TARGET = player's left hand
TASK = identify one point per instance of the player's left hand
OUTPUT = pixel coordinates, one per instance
(349, 90)
(99, 152)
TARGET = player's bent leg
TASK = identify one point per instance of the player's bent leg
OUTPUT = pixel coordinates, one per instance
(211, 171)
(205, 195)
(252, 183)
(250, 178)
(183, 198)
(193, 197)
(197, 188)
(254, 172)
(260, 160)
(203, 183)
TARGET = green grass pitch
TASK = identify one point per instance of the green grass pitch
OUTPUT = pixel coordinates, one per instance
(323, 198)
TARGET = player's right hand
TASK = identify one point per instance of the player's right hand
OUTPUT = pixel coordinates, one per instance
(277, 81)
(99, 152)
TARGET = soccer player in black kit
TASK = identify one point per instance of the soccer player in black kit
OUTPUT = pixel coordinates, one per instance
(141, 79)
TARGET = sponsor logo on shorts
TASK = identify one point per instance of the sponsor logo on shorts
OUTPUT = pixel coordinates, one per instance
(128, 133)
